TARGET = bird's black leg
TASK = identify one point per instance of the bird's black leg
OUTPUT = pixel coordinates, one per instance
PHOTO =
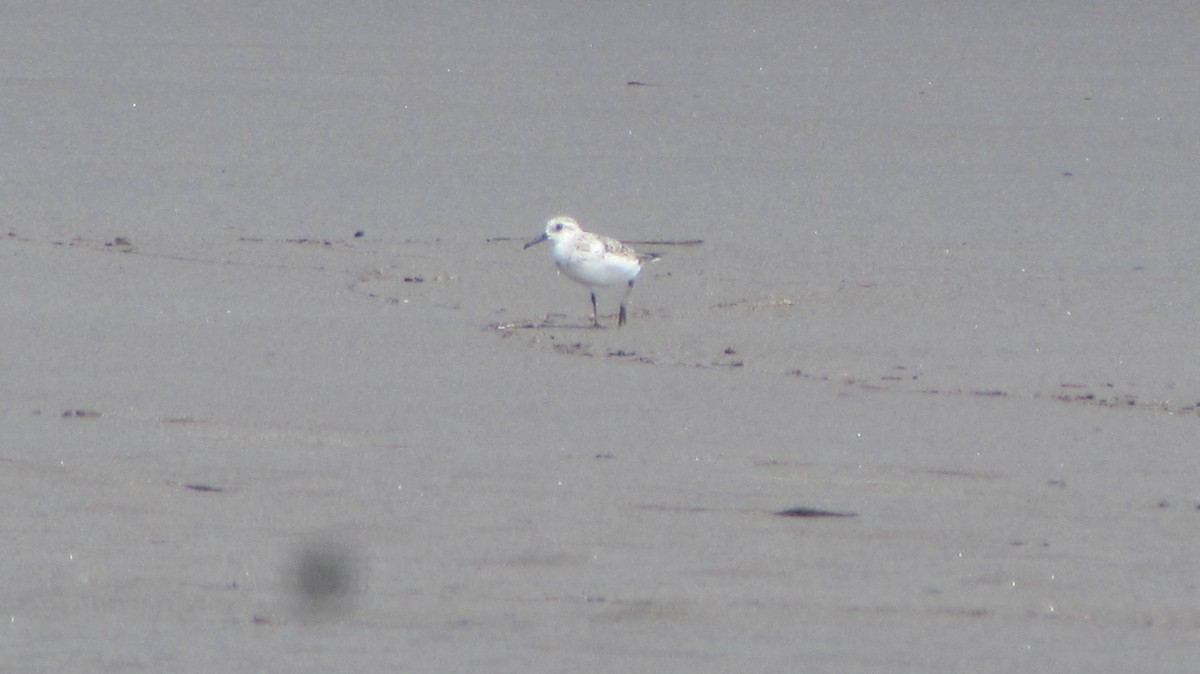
(595, 316)
(621, 316)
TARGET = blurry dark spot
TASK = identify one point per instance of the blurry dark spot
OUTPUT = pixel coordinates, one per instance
(326, 578)
(413, 279)
(323, 575)
(85, 414)
(729, 351)
(359, 234)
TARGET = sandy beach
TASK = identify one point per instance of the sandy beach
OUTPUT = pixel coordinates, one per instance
(914, 388)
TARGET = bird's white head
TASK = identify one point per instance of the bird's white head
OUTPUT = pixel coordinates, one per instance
(558, 227)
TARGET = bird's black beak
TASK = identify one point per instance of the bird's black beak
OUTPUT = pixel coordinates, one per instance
(536, 241)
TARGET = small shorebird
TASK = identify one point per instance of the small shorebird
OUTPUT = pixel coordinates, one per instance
(592, 260)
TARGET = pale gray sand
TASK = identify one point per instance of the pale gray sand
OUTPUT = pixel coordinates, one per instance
(946, 284)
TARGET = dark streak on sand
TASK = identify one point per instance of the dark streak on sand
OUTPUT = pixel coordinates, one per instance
(813, 512)
(205, 488)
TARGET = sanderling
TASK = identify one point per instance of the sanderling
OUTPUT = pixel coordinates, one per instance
(592, 260)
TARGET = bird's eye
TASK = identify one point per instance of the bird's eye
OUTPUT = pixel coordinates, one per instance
(558, 227)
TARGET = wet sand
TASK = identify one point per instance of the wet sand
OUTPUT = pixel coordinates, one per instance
(281, 390)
